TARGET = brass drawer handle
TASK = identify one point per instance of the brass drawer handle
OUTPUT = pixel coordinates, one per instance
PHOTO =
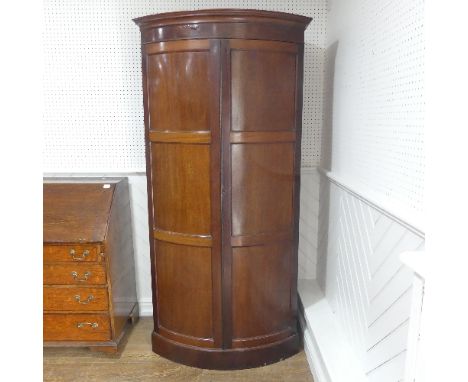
(80, 325)
(84, 302)
(85, 276)
(79, 258)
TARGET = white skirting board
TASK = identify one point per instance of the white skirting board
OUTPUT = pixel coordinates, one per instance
(329, 355)
(146, 307)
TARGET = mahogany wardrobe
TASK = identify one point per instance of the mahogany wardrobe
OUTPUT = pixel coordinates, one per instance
(222, 93)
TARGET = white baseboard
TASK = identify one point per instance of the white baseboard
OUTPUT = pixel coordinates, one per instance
(329, 355)
(146, 307)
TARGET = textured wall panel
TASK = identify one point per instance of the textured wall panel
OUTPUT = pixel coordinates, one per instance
(93, 112)
(374, 100)
(367, 286)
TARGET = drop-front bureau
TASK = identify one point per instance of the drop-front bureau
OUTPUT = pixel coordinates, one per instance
(89, 278)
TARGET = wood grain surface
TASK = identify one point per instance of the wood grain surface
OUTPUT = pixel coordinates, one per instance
(138, 363)
(88, 271)
(222, 125)
(76, 212)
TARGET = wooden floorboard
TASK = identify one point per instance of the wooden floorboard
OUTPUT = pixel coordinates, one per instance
(138, 363)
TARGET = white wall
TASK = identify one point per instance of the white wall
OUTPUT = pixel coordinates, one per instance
(375, 101)
(371, 188)
(308, 224)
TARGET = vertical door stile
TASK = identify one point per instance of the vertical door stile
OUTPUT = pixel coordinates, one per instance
(149, 183)
(216, 250)
(226, 193)
(297, 178)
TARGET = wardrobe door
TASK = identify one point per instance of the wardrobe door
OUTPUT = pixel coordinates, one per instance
(183, 137)
(260, 153)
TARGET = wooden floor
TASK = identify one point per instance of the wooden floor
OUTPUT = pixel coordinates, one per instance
(138, 363)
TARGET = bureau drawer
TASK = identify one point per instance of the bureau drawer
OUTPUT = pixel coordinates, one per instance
(76, 327)
(74, 274)
(75, 298)
(73, 253)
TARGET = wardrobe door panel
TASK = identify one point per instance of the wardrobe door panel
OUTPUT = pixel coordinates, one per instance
(263, 85)
(182, 89)
(179, 86)
(181, 188)
(261, 281)
(262, 188)
(262, 149)
(185, 292)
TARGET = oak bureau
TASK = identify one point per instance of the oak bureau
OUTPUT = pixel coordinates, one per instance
(89, 279)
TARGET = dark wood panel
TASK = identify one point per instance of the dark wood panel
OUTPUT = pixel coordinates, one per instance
(177, 46)
(179, 90)
(223, 24)
(74, 274)
(180, 136)
(227, 359)
(71, 253)
(149, 181)
(263, 87)
(261, 340)
(184, 288)
(262, 188)
(224, 30)
(226, 195)
(215, 190)
(253, 16)
(297, 181)
(263, 136)
(76, 327)
(75, 298)
(260, 239)
(267, 46)
(181, 188)
(189, 340)
(184, 239)
(261, 282)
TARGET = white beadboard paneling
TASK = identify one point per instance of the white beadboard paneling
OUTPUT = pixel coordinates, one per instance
(387, 349)
(93, 109)
(391, 371)
(395, 316)
(365, 283)
(385, 245)
(399, 284)
(391, 266)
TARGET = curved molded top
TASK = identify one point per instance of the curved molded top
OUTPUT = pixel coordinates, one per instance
(220, 15)
(223, 24)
